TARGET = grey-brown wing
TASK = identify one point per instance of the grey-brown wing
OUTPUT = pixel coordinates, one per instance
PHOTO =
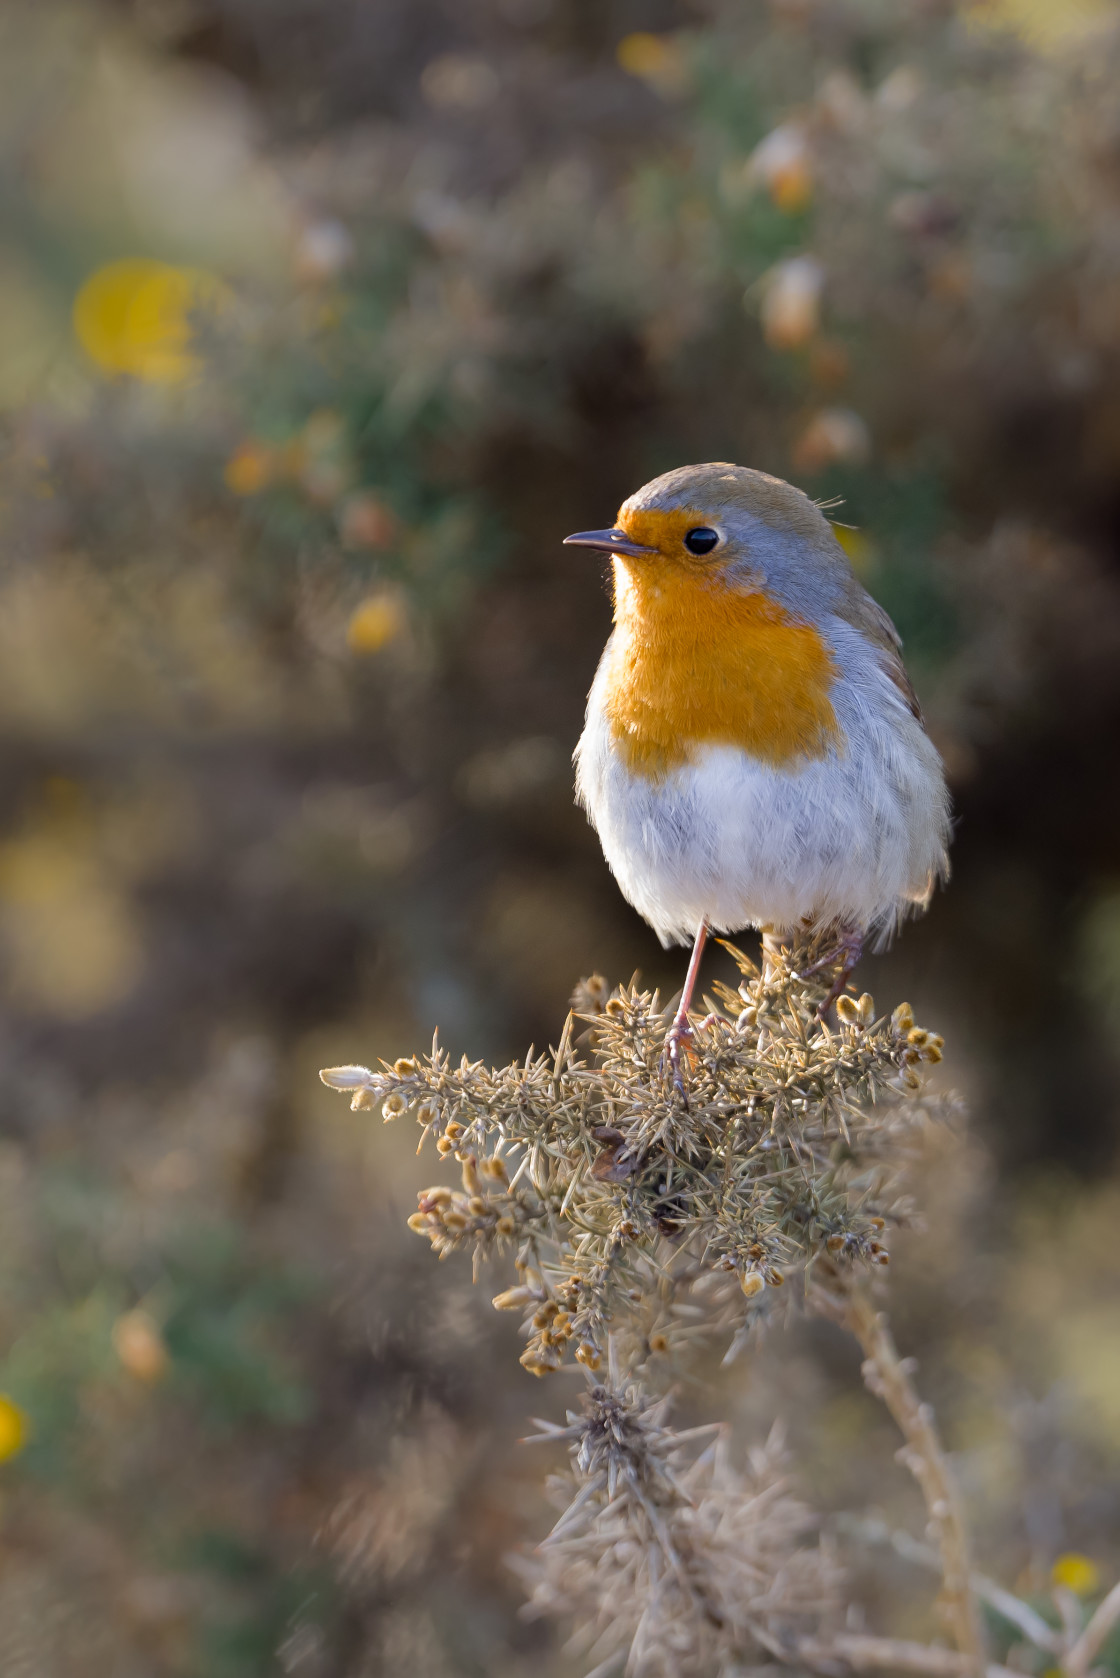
(869, 618)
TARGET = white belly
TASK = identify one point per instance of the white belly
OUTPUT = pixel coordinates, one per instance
(856, 837)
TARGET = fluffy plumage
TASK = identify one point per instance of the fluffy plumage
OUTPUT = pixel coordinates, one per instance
(753, 753)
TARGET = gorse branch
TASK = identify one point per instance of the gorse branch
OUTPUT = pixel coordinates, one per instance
(612, 1187)
(669, 1559)
(643, 1219)
(887, 1376)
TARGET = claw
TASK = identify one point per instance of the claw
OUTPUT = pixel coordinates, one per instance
(680, 1032)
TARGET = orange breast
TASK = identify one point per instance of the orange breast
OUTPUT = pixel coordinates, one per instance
(695, 662)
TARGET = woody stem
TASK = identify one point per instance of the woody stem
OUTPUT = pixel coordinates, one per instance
(886, 1375)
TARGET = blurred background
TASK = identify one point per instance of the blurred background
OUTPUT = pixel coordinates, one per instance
(321, 323)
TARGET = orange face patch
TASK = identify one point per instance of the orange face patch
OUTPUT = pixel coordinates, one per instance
(695, 662)
(664, 531)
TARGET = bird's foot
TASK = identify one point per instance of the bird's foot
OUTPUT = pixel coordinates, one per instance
(846, 954)
(679, 1039)
(680, 1033)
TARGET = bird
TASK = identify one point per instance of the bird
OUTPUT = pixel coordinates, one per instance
(753, 753)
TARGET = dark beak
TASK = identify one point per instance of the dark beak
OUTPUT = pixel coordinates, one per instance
(607, 541)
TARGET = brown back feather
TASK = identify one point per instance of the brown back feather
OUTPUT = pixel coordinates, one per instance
(872, 621)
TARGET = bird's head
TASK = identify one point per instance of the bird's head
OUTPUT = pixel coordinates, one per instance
(723, 526)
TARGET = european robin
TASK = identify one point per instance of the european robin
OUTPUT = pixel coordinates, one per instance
(754, 754)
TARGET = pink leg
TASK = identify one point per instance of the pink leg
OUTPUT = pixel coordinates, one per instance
(680, 1030)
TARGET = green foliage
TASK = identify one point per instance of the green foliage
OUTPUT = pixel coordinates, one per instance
(904, 516)
(227, 1321)
(62, 1357)
(1100, 954)
(259, 1603)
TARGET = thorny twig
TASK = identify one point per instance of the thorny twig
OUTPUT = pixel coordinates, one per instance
(890, 1654)
(1107, 1614)
(887, 1376)
(1010, 1608)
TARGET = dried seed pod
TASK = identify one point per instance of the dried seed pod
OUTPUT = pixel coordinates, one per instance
(615, 1164)
(590, 995)
(393, 1105)
(540, 1360)
(495, 1169)
(347, 1077)
(444, 1145)
(453, 1130)
(513, 1299)
(752, 1282)
(506, 1225)
(847, 1010)
(470, 1173)
(405, 1066)
(362, 1100)
(866, 1009)
(917, 1037)
(659, 1342)
(902, 1019)
(422, 1223)
(588, 1354)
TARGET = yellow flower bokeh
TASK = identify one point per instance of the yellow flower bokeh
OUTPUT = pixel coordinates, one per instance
(1076, 1573)
(654, 59)
(859, 548)
(136, 317)
(15, 1430)
(378, 620)
(69, 934)
(1042, 24)
(250, 469)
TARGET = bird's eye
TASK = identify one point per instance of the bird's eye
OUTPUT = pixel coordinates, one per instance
(701, 540)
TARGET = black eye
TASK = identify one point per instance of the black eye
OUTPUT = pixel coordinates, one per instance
(701, 540)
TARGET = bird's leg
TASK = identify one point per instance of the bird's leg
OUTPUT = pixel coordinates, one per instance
(847, 952)
(681, 1030)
